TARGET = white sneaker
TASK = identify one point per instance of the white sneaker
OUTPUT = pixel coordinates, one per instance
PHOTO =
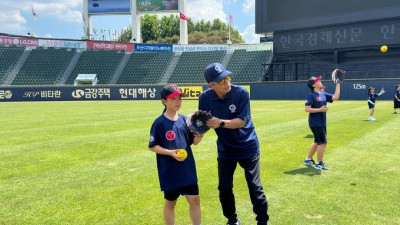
(372, 119)
(321, 166)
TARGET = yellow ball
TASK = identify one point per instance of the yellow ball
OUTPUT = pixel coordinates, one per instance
(182, 153)
(384, 48)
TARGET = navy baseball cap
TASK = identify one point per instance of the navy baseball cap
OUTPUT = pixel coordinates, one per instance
(215, 72)
(312, 81)
(170, 91)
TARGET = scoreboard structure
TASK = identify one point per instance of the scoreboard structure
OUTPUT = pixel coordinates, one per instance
(134, 8)
(309, 25)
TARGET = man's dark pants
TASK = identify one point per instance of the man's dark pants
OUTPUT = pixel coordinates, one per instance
(251, 166)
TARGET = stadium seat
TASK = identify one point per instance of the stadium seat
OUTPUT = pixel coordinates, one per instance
(43, 66)
(102, 63)
(9, 56)
(145, 68)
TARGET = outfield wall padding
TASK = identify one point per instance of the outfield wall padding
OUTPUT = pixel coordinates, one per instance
(350, 90)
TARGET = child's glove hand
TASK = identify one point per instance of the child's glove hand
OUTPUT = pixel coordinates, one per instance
(338, 76)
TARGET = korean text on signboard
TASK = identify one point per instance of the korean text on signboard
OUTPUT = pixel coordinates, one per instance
(341, 36)
(79, 93)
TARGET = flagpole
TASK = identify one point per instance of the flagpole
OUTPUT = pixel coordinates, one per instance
(34, 16)
(32, 27)
(229, 26)
(229, 36)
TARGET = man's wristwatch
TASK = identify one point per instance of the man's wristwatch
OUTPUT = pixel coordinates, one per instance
(221, 123)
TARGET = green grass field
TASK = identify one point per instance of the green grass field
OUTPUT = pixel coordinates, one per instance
(88, 163)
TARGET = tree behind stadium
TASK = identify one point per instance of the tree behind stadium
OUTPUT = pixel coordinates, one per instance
(166, 30)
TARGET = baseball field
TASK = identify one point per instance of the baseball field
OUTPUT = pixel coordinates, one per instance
(88, 163)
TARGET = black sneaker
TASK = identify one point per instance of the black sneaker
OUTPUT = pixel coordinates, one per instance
(321, 166)
(309, 162)
(233, 223)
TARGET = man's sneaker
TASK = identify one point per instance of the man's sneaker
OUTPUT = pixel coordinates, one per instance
(309, 162)
(233, 223)
(321, 166)
(372, 119)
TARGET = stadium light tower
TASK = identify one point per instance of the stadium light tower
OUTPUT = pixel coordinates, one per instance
(183, 23)
(86, 21)
(135, 24)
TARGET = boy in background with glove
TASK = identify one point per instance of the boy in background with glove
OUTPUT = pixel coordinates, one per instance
(316, 105)
(177, 176)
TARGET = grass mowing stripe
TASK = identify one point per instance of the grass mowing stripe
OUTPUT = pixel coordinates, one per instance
(88, 163)
(329, 195)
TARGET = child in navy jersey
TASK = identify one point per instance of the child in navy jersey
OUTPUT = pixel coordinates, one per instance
(177, 176)
(396, 99)
(316, 105)
(371, 101)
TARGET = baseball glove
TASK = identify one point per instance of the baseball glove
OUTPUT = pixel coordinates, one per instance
(338, 76)
(197, 121)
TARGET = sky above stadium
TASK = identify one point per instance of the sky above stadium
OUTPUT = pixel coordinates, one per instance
(63, 19)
